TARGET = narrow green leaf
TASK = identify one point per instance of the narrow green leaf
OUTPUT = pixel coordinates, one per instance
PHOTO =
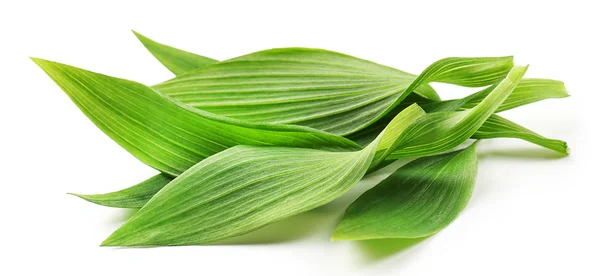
(440, 131)
(167, 135)
(321, 89)
(499, 127)
(246, 187)
(418, 200)
(132, 197)
(177, 61)
(528, 91)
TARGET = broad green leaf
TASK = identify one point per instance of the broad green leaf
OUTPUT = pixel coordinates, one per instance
(418, 200)
(440, 131)
(177, 61)
(133, 197)
(246, 187)
(321, 89)
(167, 135)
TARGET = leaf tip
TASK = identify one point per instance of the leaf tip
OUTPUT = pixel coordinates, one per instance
(40, 62)
(138, 35)
(142, 38)
(115, 239)
(108, 242)
(84, 197)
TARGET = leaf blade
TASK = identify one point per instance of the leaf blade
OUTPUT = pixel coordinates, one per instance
(165, 134)
(440, 131)
(418, 200)
(134, 197)
(176, 60)
(318, 88)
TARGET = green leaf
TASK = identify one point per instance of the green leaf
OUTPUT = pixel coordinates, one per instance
(167, 135)
(417, 200)
(528, 91)
(321, 89)
(440, 131)
(132, 197)
(246, 187)
(499, 127)
(177, 61)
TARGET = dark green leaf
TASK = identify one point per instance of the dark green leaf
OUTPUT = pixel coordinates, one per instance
(418, 200)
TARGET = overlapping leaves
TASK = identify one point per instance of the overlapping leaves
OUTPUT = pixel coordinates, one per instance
(244, 188)
(251, 140)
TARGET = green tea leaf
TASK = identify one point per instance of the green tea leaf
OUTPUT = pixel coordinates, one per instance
(177, 61)
(321, 89)
(132, 197)
(167, 135)
(417, 200)
(246, 187)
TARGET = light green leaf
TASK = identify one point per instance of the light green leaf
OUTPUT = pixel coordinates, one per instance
(133, 197)
(440, 131)
(177, 61)
(499, 127)
(417, 200)
(321, 89)
(528, 91)
(167, 135)
(246, 187)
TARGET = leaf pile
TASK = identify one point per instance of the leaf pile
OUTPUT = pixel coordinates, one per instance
(248, 141)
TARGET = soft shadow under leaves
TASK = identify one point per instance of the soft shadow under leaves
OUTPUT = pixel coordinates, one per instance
(376, 250)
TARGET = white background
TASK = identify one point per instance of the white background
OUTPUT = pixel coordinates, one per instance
(531, 213)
